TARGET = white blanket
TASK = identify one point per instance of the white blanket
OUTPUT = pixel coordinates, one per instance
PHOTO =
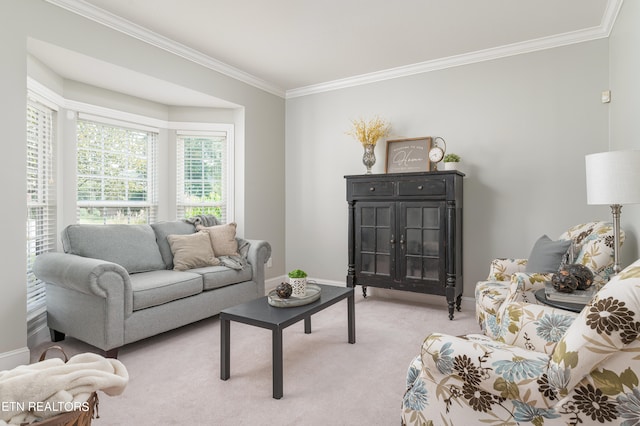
(47, 388)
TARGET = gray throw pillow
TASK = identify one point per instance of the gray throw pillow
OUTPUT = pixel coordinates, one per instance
(164, 229)
(547, 255)
(130, 246)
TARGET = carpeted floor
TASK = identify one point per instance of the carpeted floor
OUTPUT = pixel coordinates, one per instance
(175, 377)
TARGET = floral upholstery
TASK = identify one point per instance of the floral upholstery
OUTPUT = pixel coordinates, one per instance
(592, 246)
(548, 366)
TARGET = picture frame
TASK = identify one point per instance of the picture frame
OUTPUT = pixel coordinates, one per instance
(408, 155)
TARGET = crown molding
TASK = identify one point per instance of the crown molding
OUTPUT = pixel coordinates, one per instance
(124, 26)
(594, 33)
(610, 15)
(117, 23)
(602, 31)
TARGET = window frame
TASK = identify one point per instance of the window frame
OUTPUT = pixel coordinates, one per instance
(211, 130)
(41, 229)
(151, 204)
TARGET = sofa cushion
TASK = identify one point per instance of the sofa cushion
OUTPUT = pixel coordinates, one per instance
(158, 287)
(130, 246)
(192, 251)
(220, 276)
(164, 229)
(223, 238)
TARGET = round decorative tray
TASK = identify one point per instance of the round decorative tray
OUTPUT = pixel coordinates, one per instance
(312, 294)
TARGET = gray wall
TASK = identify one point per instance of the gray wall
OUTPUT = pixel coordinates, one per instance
(624, 56)
(521, 124)
(260, 197)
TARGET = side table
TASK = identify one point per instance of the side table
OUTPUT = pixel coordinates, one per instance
(567, 306)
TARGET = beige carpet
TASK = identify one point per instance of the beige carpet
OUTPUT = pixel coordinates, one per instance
(175, 377)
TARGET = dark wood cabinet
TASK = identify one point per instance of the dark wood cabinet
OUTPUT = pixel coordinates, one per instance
(405, 233)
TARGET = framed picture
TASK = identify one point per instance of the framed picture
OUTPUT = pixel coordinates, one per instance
(408, 155)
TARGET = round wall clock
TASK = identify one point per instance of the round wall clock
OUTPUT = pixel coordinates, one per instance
(436, 153)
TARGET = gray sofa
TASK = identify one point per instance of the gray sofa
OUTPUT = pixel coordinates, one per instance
(115, 284)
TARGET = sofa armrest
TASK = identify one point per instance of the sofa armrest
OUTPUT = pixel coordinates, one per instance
(503, 269)
(533, 327)
(86, 275)
(257, 255)
(528, 281)
(475, 366)
(524, 285)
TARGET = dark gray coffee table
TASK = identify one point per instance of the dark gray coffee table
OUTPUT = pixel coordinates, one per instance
(258, 312)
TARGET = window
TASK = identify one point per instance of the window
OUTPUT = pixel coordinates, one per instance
(203, 170)
(41, 206)
(116, 172)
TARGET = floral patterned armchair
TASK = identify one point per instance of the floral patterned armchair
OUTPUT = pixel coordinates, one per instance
(591, 246)
(548, 366)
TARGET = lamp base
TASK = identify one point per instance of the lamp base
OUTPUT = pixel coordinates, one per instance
(616, 210)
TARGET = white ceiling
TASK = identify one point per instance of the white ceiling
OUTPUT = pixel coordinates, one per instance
(291, 47)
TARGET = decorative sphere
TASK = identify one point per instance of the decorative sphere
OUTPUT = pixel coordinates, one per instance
(564, 282)
(284, 290)
(582, 274)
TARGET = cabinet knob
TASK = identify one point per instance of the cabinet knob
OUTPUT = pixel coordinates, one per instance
(420, 187)
(372, 189)
(392, 241)
(401, 239)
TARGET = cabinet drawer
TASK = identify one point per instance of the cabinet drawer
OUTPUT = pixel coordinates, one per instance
(372, 189)
(423, 187)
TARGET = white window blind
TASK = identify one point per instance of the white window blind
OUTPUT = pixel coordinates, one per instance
(202, 174)
(116, 173)
(41, 197)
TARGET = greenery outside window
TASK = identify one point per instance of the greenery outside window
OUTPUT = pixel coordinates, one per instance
(41, 197)
(116, 173)
(202, 174)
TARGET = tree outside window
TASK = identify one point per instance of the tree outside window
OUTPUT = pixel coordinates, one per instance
(116, 172)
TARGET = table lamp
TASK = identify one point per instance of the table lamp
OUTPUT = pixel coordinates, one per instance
(613, 178)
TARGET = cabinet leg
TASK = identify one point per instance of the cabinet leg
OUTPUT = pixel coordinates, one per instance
(364, 291)
(458, 302)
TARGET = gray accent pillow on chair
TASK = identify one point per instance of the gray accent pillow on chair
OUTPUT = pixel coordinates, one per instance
(546, 255)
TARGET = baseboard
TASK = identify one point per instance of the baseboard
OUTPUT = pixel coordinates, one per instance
(12, 359)
(41, 335)
(37, 331)
(467, 303)
(272, 283)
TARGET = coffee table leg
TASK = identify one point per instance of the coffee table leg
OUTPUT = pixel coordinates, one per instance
(351, 318)
(307, 325)
(225, 349)
(277, 363)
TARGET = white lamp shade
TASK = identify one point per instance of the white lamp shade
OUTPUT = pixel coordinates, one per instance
(613, 177)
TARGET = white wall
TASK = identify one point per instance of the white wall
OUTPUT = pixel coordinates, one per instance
(13, 86)
(261, 179)
(624, 53)
(521, 124)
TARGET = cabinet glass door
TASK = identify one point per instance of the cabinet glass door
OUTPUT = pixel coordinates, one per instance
(374, 239)
(422, 241)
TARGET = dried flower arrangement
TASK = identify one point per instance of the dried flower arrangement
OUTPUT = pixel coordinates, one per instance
(368, 132)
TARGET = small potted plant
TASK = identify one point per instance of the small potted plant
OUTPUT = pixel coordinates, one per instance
(451, 161)
(298, 281)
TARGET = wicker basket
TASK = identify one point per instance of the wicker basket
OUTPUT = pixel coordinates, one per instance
(71, 418)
